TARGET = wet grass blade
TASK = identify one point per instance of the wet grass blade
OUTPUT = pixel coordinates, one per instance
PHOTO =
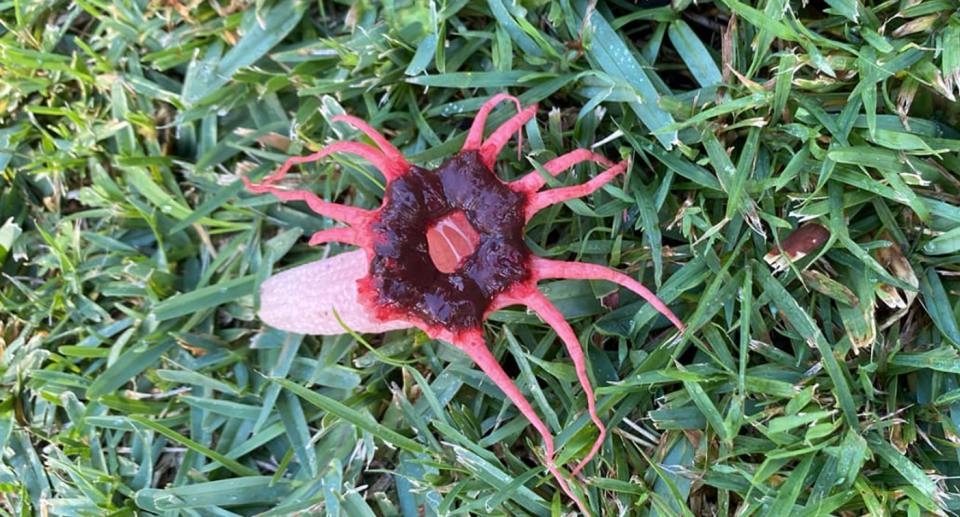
(351, 416)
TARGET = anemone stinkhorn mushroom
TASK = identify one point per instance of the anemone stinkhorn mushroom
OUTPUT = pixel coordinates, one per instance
(443, 251)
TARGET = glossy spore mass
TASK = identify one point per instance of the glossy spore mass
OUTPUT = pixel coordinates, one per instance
(404, 277)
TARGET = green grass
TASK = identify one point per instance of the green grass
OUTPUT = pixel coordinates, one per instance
(136, 379)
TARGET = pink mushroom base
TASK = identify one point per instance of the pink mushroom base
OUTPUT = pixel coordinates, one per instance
(393, 282)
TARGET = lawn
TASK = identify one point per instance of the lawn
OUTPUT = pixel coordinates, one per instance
(824, 380)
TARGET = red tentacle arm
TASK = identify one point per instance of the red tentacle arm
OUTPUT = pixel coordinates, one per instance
(546, 268)
(368, 152)
(481, 355)
(533, 181)
(495, 142)
(345, 235)
(475, 136)
(398, 162)
(541, 200)
(342, 213)
(553, 317)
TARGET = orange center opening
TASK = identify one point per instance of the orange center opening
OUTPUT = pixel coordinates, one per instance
(451, 240)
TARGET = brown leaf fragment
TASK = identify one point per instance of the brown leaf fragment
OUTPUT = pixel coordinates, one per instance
(916, 25)
(893, 260)
(896, 438)
(799, 244)
(908, 90)
(611, 301)
(275, 140)
(726, 47)
(195, 351)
